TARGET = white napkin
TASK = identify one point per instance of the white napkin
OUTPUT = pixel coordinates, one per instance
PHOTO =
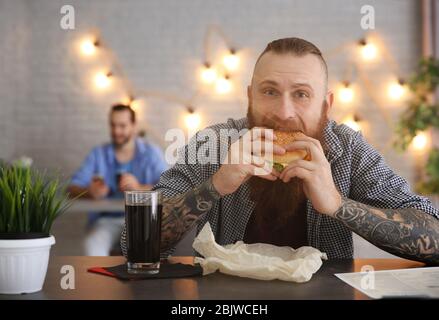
(258, 261)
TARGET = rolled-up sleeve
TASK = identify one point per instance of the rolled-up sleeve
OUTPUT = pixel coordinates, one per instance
(374, 183)
(82, 177)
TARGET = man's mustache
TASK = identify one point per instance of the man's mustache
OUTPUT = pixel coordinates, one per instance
(282, 125)
(272, 121)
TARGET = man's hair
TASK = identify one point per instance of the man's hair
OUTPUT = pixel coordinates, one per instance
(296, 46)
(122, 107)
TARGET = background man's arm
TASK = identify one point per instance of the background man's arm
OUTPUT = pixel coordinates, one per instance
(74, 191)
(82, 178)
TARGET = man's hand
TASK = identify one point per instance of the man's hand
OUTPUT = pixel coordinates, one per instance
(98, 189)
(128, 182)
(316, 175)
(246, 157)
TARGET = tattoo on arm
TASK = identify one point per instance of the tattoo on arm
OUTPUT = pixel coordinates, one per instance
(181, 212)
(408, 233)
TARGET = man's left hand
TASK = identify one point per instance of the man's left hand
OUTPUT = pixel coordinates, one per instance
(128, 182)
(316, 175)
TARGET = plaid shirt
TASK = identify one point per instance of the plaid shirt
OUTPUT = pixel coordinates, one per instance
(358, 170)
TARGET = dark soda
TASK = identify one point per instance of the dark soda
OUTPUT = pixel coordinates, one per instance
(143, 233)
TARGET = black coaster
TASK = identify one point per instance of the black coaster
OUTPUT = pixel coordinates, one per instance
(167, 270)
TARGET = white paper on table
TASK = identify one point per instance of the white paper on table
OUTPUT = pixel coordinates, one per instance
(416, 282)
(258, 261)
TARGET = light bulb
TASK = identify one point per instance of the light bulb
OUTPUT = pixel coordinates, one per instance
(346, 93)
(127, 100)
(396, 90)
(192, 120)
(208, 74)
(223, 85)
(420, 141)
(133, 103)
(102, 80)
(231, 61)
(368, 51)
(88, 47)
(136, 105)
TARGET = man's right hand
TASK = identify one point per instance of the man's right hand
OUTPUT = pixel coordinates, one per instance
(247, 158)
(98, 189)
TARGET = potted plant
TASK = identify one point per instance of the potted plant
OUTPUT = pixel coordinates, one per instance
(30, 201)
(422, 114)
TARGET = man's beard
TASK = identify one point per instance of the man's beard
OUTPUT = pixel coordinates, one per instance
(275, 200)
(122, 143)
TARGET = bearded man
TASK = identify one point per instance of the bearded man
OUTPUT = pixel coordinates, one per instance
(345, 186)
(127, 163)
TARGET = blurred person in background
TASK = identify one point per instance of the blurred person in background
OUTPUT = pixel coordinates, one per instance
(127, 163)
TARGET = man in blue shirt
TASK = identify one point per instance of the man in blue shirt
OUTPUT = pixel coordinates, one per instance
(127, 163)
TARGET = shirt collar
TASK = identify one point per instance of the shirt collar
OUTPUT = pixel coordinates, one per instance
(140, 149)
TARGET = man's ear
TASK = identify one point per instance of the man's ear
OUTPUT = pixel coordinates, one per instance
(329, 100)
(249, 92)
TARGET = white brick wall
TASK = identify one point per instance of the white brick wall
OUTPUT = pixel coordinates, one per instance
(49, 112)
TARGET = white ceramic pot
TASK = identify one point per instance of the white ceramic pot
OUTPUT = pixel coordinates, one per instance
(23, 264)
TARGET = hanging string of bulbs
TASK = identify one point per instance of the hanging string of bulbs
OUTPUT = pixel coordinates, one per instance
(368, 50)
(218, 77)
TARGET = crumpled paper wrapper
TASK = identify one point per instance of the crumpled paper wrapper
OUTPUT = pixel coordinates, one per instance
(257, 261)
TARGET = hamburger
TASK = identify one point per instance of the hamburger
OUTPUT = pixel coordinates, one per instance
(284, 138)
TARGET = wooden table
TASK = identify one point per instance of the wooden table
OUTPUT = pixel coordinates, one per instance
(323, 285)
(104, 205)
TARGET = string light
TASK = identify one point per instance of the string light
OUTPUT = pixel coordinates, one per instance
(346, 93)
(89, 47)
(103, 80)
(136, 105)
(223, 85)
(368, 50)
(133, 103)
(352, 122)
(231, 60)
(396, 90)
(208, 74)
(192, 119)
(420, 141)
(128, 100)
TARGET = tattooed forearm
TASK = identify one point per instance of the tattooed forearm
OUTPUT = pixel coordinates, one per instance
(408, 233)
(180, 213)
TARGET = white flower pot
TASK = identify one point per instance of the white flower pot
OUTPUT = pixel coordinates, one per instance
(23, 264)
